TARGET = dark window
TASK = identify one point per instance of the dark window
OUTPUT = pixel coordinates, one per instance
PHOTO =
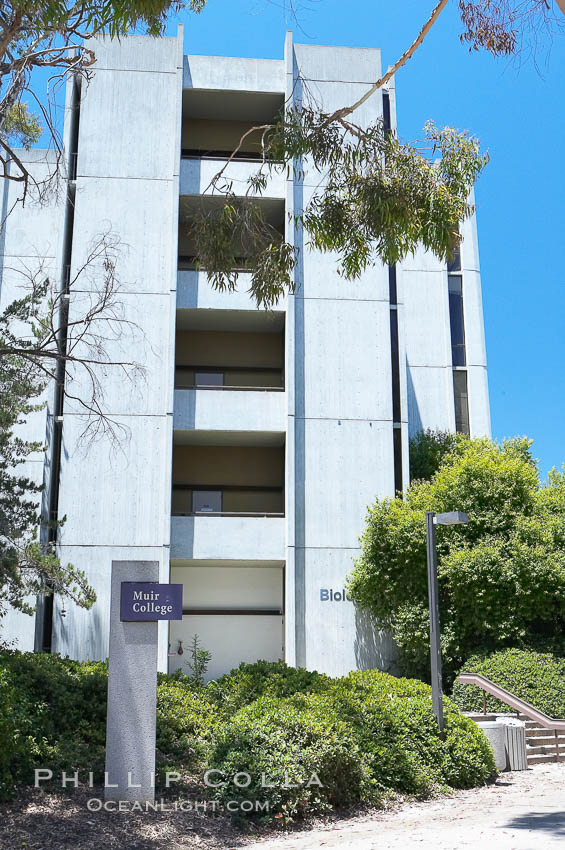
(397, 446)
(395, 362)
(392, 288)
(454, 265)
(207, 501)
(457, 320)
(208, 379)
(386, 112)
(461, 395)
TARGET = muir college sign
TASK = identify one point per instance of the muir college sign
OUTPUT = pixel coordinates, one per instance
(137, 603)
(150, 601)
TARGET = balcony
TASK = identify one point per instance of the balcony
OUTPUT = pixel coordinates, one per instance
(230, 409)
(228, 538)
(194, 291)
(197, 173)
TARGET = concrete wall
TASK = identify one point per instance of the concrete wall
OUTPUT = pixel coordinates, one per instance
(118, 506)
(339, 441)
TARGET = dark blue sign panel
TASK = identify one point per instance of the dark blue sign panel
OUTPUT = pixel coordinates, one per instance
(148, 600)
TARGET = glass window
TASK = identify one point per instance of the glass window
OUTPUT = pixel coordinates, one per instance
(457, 321)
(392, 287)
(461, 395)
(207, 501)
(395, 362)
(208, 379)
(454, 265)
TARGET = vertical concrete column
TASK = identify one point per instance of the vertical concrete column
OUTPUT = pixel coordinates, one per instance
(132, 694)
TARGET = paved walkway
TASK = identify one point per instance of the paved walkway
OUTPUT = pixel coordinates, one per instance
(522, 811)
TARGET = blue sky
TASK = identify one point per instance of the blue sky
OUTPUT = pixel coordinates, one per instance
(518, 112)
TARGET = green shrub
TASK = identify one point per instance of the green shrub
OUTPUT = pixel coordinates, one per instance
(248, 682)
(286, 746)
(538, 678)
(185, 720)
(365, 735)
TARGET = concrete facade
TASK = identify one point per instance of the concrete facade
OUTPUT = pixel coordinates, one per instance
(313, 380)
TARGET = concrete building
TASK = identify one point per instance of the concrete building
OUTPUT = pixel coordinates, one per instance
(256, 440)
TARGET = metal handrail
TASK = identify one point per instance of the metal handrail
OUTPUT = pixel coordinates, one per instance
(230, 513)
(232, 387)
(512, 700)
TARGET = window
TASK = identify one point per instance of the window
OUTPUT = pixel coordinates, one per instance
(208, 379)
(207, 501)
(392, 287)
(461, 394)
(456, 320)
(454, 265)
(395, 363)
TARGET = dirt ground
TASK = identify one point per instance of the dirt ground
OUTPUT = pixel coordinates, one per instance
(521, 811)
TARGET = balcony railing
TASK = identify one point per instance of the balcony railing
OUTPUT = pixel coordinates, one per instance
(187, 262)
(240, 156)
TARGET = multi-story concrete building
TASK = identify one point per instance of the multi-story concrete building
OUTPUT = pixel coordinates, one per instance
(256, 440)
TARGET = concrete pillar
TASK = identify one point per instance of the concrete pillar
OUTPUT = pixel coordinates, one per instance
(132, 694)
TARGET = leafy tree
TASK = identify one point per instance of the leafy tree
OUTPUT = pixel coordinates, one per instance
(501, 577)
(428, 449)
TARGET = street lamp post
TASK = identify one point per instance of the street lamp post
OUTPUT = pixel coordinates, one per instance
(451, 518)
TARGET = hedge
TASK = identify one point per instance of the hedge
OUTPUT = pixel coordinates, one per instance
(537, 677)
(309, 743)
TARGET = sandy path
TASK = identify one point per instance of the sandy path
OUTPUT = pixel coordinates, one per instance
(522, 811)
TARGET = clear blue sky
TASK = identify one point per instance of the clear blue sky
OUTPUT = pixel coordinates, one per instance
(519, 115)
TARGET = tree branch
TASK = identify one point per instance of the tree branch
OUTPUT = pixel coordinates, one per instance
(347, 110)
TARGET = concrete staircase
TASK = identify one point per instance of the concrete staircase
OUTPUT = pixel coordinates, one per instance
(540, 742)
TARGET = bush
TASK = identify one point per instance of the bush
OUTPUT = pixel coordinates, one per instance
(363, 736)
(538, 678)
(248, 682)
(285, 746)
(501, 576)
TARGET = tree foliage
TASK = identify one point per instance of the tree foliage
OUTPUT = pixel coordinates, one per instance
(428, 449)
(43, 341)
(26, 567)
(54, 34)
(501, 577)
(377, 200)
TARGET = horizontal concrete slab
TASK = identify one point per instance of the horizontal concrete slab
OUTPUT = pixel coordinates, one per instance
(230, 410)
(257, 538)
(197, 174)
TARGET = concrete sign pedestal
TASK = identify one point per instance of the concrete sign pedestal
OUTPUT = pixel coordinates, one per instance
(132, 694)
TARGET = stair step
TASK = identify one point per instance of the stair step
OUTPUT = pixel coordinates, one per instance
(542, 732)
(541, 759)
(544, 741)
(542, 744)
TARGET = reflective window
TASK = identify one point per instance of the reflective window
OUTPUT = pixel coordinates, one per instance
(207, 501)
(461, 395)
(208, 379)
(456, 319)
(454, 265)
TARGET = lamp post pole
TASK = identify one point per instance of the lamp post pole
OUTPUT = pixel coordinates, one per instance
(433, 599)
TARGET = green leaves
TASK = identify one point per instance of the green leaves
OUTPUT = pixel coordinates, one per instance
(501, 577)
(377, 200)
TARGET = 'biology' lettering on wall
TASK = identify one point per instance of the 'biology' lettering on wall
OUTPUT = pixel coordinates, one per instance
(331, 595)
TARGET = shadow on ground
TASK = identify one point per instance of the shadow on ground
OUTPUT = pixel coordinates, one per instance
(549, 822)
